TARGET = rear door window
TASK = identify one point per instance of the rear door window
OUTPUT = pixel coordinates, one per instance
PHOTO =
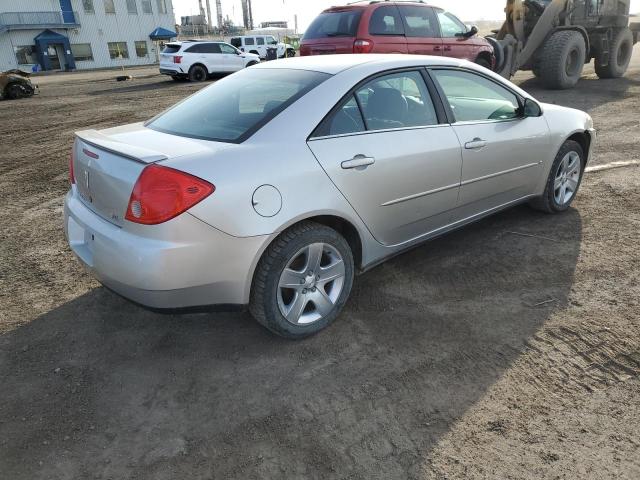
(334, 24)
(211, 48)
(195, 49)
(260, 40)
(473, 97)
(419, 21)
(249, 41)
(386, 21)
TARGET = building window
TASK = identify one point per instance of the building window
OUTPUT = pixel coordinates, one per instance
(132, 8)
(146, 6)
(162, 6)
(88, 6)
(118, 50)
(82, 52)
(141, 49)
(26, 54)
(109, 6)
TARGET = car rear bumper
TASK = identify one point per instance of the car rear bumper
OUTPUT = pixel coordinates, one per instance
(179, 264)
(171, 71)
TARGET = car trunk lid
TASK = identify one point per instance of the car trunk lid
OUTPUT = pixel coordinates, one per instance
(107, 164)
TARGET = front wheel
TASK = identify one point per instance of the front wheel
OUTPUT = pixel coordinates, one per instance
(302, 281)
(564, 179)
(561, 59)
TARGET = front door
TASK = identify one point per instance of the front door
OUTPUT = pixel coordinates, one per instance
(393, 159)
(232, 59)
(54, 59)
(503, 152)
(453, 43)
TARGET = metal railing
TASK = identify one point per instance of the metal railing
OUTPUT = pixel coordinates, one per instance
(18, 20)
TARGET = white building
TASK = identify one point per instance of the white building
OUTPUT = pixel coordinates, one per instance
(82, 34)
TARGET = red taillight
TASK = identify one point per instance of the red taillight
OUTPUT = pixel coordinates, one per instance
(362, 46)
(72, 177)
(177, 59)
(162, 193)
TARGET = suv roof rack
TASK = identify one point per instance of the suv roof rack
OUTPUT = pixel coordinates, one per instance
(371, 2)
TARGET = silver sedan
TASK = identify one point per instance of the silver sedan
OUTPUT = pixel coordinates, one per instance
(273, 187)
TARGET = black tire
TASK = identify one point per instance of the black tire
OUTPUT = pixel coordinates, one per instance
(547, 202)
(291, 53)
(483, 62)
(198, 73)
(562, 59)
(264, 290)
(620, 53)
(14, 92)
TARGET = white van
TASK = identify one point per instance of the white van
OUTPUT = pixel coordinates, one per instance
(258, 45)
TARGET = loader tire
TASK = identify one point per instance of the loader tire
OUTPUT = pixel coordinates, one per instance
(562, 60)
(619, 55)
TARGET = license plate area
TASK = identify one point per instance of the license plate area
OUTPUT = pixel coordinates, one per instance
(81, 241)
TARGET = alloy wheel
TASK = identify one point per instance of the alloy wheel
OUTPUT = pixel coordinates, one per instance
(311, 284)
(567, 178)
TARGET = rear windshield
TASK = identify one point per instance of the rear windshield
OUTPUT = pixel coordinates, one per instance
(234, 108)
(236, 42)
(171, 48)
(334, 24)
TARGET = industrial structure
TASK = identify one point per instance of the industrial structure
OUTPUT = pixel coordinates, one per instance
(96, 34)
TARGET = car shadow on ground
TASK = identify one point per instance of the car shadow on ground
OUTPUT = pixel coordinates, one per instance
(101, 387)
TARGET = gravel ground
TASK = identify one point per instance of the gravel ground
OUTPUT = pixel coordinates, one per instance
(509, 349)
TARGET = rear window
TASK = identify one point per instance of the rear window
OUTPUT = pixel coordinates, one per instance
(334, 24)
(169, 48)
(236, 42)
(234, 108)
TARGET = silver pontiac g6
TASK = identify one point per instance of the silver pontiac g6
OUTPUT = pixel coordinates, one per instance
(273, 187)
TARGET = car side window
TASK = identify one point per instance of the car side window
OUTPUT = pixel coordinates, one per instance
(386, 21)
(227, 49)
(473, 97)
(210, 48)
(346, 120)
(260, 40)
(397, 100)
(194, 49)
(450, 26)
(249, 41)
(419, 21)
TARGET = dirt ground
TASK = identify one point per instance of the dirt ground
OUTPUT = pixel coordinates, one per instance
(507, 350)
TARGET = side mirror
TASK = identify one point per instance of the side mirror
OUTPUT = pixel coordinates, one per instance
(473, 30)
(531, 109)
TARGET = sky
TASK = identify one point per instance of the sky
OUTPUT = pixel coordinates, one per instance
(265, 10)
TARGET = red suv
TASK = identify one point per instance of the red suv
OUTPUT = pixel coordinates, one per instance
(395, 27)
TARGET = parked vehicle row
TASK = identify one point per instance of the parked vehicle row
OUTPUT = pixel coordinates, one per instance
(274, 186)
(258, 45)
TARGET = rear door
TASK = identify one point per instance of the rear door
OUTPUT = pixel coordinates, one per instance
(421, 30)
(391, 153)
(213, 58)
(503, 152)
(386, 30)
(453, 43)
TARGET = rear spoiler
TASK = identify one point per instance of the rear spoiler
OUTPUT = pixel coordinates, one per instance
(111, 145)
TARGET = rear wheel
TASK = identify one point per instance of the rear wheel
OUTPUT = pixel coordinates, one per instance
(14, 91)
(302, 281)
(619, 55)
(197, 73)
(562, 59)
(564, 179)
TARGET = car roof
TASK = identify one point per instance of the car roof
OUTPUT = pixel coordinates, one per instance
(366, 4)
(333, 64)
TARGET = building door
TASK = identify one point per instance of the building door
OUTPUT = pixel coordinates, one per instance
(54, 59)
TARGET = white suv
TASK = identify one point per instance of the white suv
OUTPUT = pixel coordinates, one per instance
(196, 60)
(258, 44)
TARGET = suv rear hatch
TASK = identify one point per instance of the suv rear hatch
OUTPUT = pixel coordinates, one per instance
(333, 31)
(107, 164)
(170, 51)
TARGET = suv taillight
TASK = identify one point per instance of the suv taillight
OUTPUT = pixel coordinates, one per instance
(177, 59)
(362, 46)
(162, 193)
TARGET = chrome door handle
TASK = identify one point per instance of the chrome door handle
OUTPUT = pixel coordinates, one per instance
(475, 144)
(358, 161)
